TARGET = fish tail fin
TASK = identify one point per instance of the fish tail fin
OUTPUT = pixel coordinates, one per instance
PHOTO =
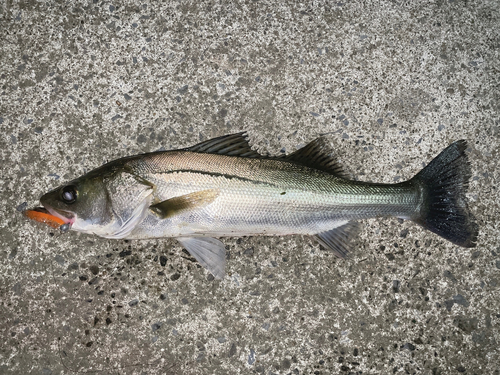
(444, 182)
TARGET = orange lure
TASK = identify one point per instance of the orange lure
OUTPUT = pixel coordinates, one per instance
(43, 216)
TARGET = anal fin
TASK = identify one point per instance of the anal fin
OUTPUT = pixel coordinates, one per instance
(339, 240)
(209, 252)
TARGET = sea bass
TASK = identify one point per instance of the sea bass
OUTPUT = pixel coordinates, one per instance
(222, 187)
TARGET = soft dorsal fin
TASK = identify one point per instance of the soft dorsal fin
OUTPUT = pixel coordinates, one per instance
(318, 155)
(231, 145)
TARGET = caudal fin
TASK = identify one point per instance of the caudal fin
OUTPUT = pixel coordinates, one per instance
(444, 211)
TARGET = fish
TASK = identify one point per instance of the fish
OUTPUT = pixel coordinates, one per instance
(222, 187)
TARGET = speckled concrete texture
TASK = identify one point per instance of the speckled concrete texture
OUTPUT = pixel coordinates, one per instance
(390, 83)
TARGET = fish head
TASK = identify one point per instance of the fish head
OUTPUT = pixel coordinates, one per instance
(81, 203)
(108, 202)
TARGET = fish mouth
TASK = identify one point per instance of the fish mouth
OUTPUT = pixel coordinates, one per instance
(66, 216)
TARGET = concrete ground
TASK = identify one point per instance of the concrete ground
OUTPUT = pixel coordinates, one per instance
(390, 83)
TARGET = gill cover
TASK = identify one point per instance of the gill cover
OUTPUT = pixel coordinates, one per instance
(129, 197)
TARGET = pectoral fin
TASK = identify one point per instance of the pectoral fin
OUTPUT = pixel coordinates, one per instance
(211, 253)
(339, 240)
(173, 206)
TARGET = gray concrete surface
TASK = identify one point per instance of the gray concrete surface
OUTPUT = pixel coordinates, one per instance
(391, 84)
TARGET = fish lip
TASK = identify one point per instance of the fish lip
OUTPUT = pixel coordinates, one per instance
(66, 216)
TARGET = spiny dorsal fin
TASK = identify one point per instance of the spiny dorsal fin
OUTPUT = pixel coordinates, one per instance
(173, 206)
(318, 155)
(339, 240)
(231, 145)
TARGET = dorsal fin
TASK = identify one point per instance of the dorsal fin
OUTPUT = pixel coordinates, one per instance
(231, 145)
(318, 155)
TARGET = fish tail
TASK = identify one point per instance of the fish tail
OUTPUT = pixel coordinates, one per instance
(444, 182)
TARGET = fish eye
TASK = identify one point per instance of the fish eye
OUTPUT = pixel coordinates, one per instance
(69, 194)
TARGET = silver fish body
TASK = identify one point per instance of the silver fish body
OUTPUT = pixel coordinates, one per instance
(251, 196)
(222, 187)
